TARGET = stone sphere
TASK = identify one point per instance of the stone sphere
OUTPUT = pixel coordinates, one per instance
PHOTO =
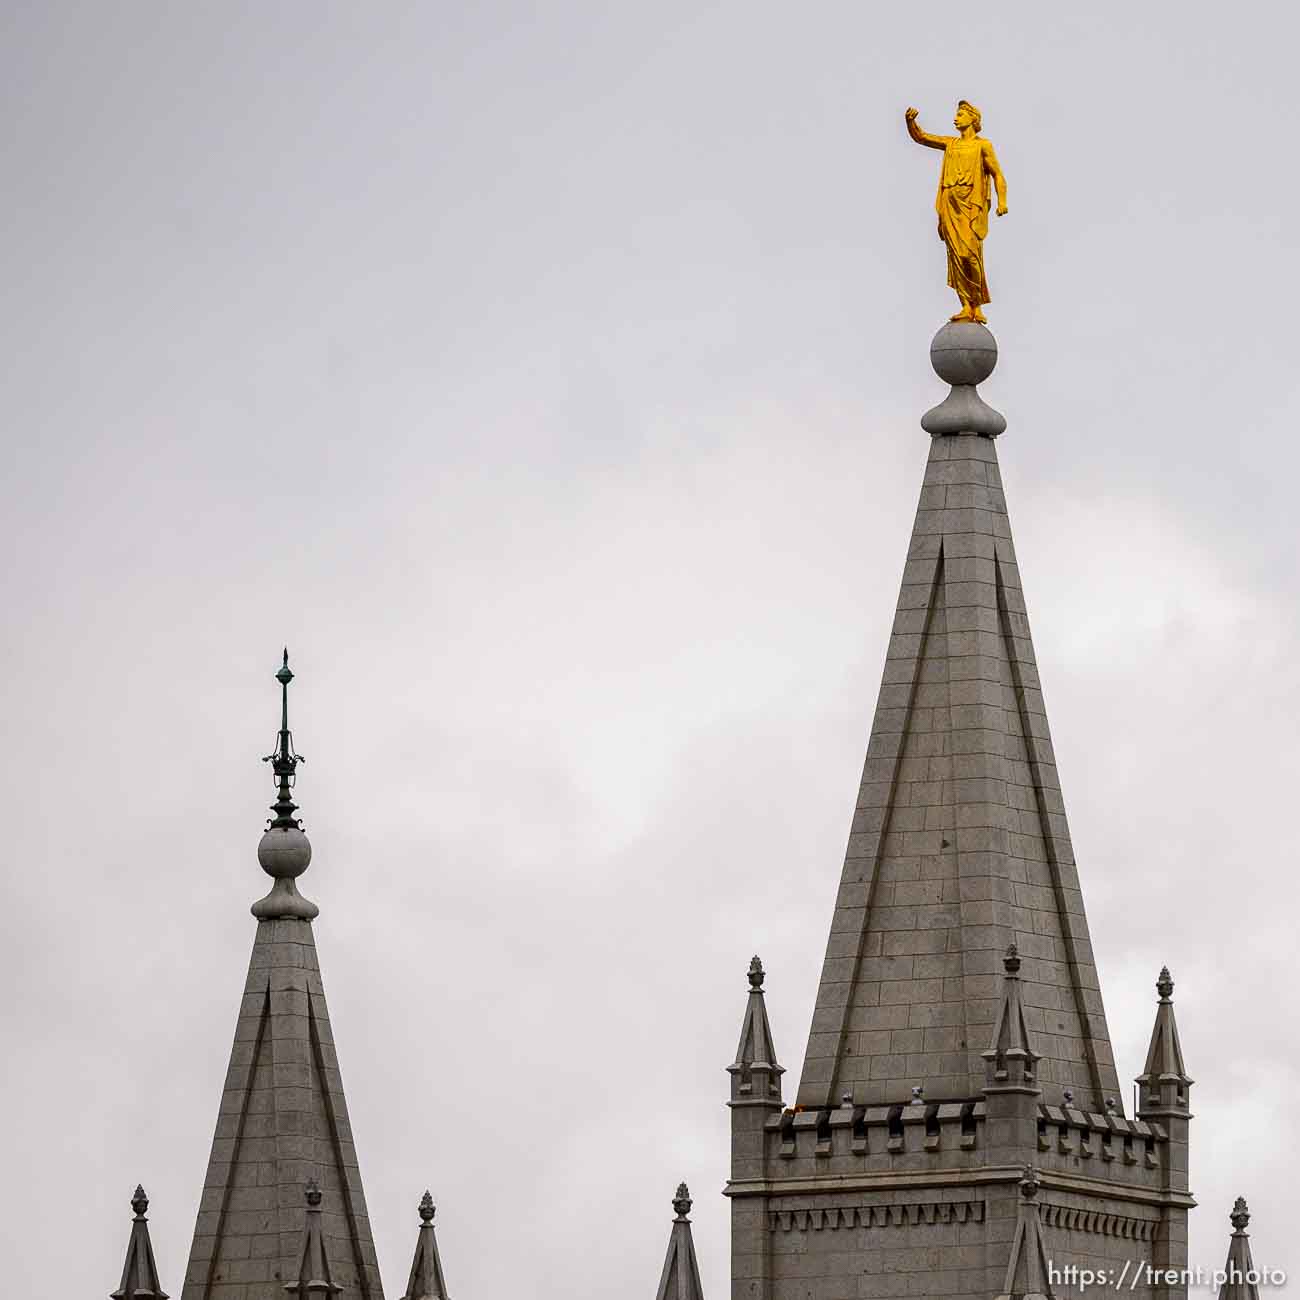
(964, 353)
(284, 852)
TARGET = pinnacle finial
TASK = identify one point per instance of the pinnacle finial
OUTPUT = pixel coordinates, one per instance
(139, 1202)
(682, 1201)
(756, 973)
(1165, 985)
(284, 851)
(312, 1193)
(1029, 1183)
(426, 1207)
(1011, 962)
(284, 761)
(1240, 1215)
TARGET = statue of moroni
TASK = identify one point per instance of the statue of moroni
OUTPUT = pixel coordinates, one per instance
(970, 167)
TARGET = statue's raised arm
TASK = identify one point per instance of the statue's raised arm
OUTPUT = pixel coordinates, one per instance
(920, 136)
(969, 175)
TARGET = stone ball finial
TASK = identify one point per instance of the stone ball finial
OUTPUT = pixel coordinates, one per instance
(682, 1201)
(312, 1193)
(1029, 1183)
(139, 1201)
(1240, 1215)
(426, 1207)
(1011, 962)
(1165, 984)
(756, 973)
(963, 354)
(284, 852)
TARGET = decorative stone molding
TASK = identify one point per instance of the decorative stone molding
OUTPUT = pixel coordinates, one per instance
(909, 1214)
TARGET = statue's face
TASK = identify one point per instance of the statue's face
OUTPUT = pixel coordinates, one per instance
(964, 118)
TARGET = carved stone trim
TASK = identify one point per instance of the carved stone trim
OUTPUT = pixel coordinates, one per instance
(909, 1214)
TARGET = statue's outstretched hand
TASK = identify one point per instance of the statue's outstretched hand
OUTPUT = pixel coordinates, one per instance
(911, 114)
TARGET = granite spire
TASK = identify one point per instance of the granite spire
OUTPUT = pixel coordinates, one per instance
(959, 844)
(283, 1119)
(681, 1276)
(1164, 1084)
(426, 1280)
(1028, 1274)
(755, 1074)
(314, 1276)
(1240, 1281)
(139, 1272)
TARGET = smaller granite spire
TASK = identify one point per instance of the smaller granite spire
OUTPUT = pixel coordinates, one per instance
(139, 1273)
(755, 1074)
(1027, 1271)
(314, 1275)
(284, 851)
(427, 1281)
(681, 1275)
(1164, 1083)
(1240, 1283)
(1010, 1061)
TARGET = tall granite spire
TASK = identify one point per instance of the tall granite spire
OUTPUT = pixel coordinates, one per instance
(959, 1063)
(959, 844)
(283, 1119)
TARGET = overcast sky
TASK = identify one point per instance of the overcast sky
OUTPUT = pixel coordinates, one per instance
(548, 377)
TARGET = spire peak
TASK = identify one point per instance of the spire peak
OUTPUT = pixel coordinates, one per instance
(1240, 1216)
(680, 1279)
(1165, 985)
(315, 1277)
(426, 1281)
(756, 973)
(755, 1074)
(139, 1272)
(284, 851)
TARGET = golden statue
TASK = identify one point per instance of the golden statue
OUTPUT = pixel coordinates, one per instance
(969, 165)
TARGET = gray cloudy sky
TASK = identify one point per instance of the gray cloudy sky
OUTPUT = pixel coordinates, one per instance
(547, 377)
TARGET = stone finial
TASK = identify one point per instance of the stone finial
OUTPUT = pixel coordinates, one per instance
(426, 1281)
(918, 1094)
(846, 1100)
(755, 1074)
(140, 1271)
(680, 1279)
(1010, 1060)
(1029, 1183)
(284, 851)
(963, 354)
(313, 1276)
(1163, 1085)
(1067, 1095)
(1240, 1215)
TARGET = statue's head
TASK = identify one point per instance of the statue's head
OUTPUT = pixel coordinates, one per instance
(967, 115)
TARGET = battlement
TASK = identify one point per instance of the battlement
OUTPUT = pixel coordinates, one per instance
(944, 1136)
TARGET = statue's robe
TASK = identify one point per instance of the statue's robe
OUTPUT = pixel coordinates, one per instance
(963, 207)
